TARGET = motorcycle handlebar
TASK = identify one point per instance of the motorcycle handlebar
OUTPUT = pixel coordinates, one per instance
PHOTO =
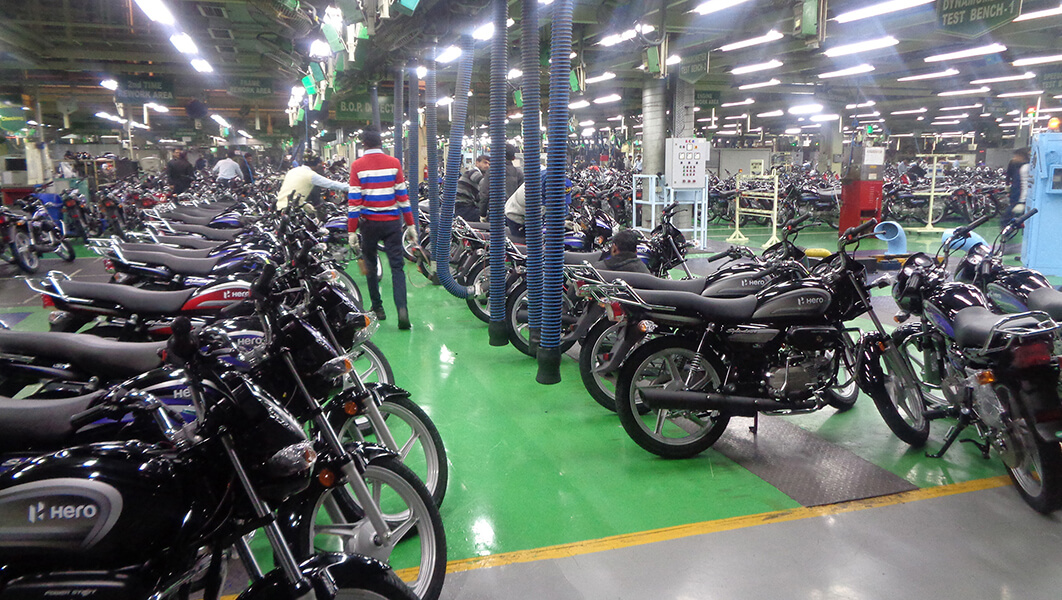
(798, 220)
(965, 230)
(860, 229)
(261, 286)
(1025, 217)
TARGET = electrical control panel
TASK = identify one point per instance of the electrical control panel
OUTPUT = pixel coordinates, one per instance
(685, 160)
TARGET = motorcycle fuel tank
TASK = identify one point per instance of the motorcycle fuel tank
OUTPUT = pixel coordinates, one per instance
(800, 300)
(947, 300)
(215, 297)
(744, 279)
(1010, 292)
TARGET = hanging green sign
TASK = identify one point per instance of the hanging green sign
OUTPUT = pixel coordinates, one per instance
(1051, 81)
(12, 118)
(706, 99)
(142, 89)
(974, 18)
(359, 108)
(251, 87)
(694, 68)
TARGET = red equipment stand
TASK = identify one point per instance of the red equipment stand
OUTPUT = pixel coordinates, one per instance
(860, 202)
(12, 193)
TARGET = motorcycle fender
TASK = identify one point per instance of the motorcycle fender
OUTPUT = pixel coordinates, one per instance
(868, 360)
(590, 316)
(630, 336)
(326, 572)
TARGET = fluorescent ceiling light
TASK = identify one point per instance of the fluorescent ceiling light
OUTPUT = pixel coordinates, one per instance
(602, 77)
(863, 68)
(770, 36)
(589, 131)
(916, 111)
(484, 32)
(815, 126)
(183, 43)
(320, 49)
(717, 5)
(1037, 60)
(880, 8)
(244, 133)
(220, 120)
(157, 107)
(587, 123)
(449, 55)
(578, 104)
(805, 109)
(792, 131)
(138, 125)
(444, 101)
(674, 59)
(762, 84)
(421, 72)
(868, 115)
(1040, 14)
(1020, 94)
(515, 74)
(1023, 76)
(705, 120)
(978, 51)
(109, 84)
(866, 104)
(545, 2)
(201, 65)
(607, 99)
(824, 118)
(964, 107)
(615, 118)
(516, 116)
(981, 90)
(744, 102)
(773, 113)
(934, 75)
(156, 11)
(773, 64)
(945, 123)
(735, 117)
(864, 46)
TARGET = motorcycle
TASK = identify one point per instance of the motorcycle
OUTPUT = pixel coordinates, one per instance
(37, 232)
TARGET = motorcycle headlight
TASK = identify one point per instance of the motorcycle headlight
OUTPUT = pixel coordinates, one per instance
(292, 460)
(364, 325)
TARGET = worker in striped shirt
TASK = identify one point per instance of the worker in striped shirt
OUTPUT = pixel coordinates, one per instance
(378, 208)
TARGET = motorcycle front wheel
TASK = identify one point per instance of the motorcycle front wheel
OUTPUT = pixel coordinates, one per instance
(843, 396)
(516, 320)
(479, 279)
(669, 363)
(22, 249)
(900, 402)
(417, 549)
(596, 350)
(65, 251)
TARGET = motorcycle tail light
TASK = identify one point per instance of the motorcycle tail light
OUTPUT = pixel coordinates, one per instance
(108, 265)
(614, 311)
(70, 203)
(580, 290)
(47, 301)
(1030, 355)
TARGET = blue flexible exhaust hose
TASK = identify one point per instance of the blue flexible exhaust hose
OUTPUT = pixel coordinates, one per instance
(374, 99)
(499, 69)
(431, 130)
(400, 82)
(412, 179)
(553, 202)
(530, 83)
(441, 228)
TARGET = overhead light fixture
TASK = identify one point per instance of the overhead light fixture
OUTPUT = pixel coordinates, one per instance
(545, 2)
(815, 126)
(825, 118)
(773, 113)
(867, 115)
(945, 122)
(866, 104)
(805, 109)
(138, 125)
(1020, 94)
(744, 102)
(444, 101)
(320, 49)
(770, 36)
(865, 46)
(515, 73)
(607, 99)
(880, 8)
(586, 123)
(762, 84)
(964, 107)
(1037, 60)
(421, 72)
(244, 133)
(970, 53)
(183, 43)
(109, 84)
(717, 5)
(602, 77)
(674, 59)
(578, 104)
(772, 64)
(157, 107)
(220, 120)
(156, 11)
(589, 131)
(201, 65)
(516, 116)
(981, 90)
(449, 55)
(792, 131)
(863, 68)
(934, 75)
(735, 117)
(1022, 77)
(484, 32)
(1040, 14)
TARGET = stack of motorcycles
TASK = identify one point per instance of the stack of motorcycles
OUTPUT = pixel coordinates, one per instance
(222, 387)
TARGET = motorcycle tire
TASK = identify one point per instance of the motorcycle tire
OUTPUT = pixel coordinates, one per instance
(1038, 477)
(519, 331)
(373, 366)
(22, 249)
(421, 551)
(907, 422)
(843, 396)
(348, 284)
(65, 251)
(420, 444)
(479, 277)
(666, 433)
(594, 349)
(386, 586)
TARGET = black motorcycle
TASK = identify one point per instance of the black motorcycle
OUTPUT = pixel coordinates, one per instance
(995, 372)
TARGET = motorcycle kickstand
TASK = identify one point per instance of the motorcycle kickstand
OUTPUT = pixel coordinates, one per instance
(965, 418)
(755, 427)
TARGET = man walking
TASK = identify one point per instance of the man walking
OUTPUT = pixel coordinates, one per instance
(379, 201)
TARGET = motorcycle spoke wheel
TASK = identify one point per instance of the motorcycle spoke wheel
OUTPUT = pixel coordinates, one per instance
(25, 256)
(417, 548)
(479, 304)
(900, 406)
(844, 394)
(668, 363)
(595, 351)
(1038, 473)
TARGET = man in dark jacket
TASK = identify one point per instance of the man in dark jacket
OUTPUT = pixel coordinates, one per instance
(180, 173)
(514, 178)
(247, 166)
(624, 253)
(468, 190)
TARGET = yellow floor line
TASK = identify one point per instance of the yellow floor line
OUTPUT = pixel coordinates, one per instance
(681, 531)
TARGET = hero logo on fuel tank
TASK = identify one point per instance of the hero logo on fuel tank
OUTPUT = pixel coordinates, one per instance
(42, 512)
(230, 294)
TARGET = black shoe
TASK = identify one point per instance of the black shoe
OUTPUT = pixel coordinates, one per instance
(380, 314)
(403, 318)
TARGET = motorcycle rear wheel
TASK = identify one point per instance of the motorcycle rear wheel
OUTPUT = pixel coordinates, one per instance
(1038, 475)
(479, 278)
(668, 363)
(517, 325)
(595, 350)
(65, 251)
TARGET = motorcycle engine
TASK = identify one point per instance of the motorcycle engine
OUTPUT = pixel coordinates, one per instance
(799, 374)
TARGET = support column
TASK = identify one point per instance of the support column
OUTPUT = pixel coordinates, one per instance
(831, 143)
(682, 115)
(654, 125)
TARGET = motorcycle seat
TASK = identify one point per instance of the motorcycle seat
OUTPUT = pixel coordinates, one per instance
(127, 247)
(220, 235)
(188, 241)
(1048, 300)
(97, 356)
(578, 258)
(974, 325)
(644, 281)
(191, 219)
(130, 298)
(178, 264)
(33, 423)
(831, 192)
(479, 225)
(715, 310)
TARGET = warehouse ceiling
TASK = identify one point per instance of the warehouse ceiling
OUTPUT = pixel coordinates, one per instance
(55, 49)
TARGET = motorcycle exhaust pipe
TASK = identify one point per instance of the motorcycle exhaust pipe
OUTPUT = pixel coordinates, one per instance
(741, 406)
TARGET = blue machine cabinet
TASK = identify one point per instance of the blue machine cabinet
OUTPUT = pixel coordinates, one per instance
(1042, 243)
